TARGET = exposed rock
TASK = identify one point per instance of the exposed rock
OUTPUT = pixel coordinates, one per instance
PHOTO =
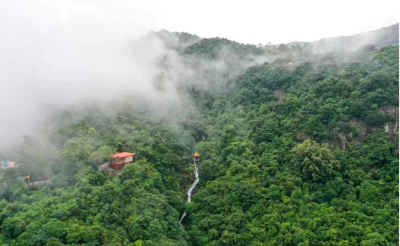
(343, 141)
(363, 129)
(392, 128)
(280, 95)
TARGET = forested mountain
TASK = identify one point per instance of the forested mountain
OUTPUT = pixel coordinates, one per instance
(379, 38)
(297, 148)
(176, 40)
(385, 36)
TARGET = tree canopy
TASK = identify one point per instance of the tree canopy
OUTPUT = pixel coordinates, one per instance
(300, 150)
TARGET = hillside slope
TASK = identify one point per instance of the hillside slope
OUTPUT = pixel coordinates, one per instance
(385, 36)
(296, 149)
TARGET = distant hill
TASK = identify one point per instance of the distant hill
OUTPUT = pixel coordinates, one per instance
(211, 48)
(176, 40)
(385, 36)
(193, 44)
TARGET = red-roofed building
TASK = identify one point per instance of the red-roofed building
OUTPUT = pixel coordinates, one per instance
(121, 159)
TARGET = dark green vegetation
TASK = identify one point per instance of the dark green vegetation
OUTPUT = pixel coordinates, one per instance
(82, 206)
(212, 47)
(314, 168)
(295, 154)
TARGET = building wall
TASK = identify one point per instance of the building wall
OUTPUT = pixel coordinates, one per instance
(129, 159)
(7, 164)
(117, 166)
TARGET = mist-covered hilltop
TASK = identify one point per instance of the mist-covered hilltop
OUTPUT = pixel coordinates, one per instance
(385, 36)
(297, 148)
(382, 37)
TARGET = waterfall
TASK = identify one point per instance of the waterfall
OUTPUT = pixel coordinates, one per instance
(189, 193)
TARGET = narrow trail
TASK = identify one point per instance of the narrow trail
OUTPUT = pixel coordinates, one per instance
(189, 193)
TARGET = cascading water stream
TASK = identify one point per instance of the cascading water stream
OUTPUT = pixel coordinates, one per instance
(189, 193)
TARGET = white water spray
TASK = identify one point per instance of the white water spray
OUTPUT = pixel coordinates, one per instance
(189, 193)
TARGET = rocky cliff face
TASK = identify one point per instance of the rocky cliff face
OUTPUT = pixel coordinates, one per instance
(392, 128)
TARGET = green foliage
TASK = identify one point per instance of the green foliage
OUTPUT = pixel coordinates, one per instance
(312, 168)
(296, 152)
(131, 207)
(213, 48)
(315, 162)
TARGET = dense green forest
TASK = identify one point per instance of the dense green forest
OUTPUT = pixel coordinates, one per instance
(300, 149)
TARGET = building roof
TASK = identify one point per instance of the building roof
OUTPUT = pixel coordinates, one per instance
(196, 154)
(123, 154)
(6, 164)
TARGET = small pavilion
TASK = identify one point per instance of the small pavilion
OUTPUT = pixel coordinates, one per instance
(196, 158)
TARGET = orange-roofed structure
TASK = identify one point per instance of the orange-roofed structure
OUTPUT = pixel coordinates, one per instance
(196, 158)
(121, 159)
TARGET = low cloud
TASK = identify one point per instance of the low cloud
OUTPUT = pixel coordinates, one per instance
(71, 57)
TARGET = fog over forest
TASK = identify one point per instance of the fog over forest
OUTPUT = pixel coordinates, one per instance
(50, 64)
(115, 130)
